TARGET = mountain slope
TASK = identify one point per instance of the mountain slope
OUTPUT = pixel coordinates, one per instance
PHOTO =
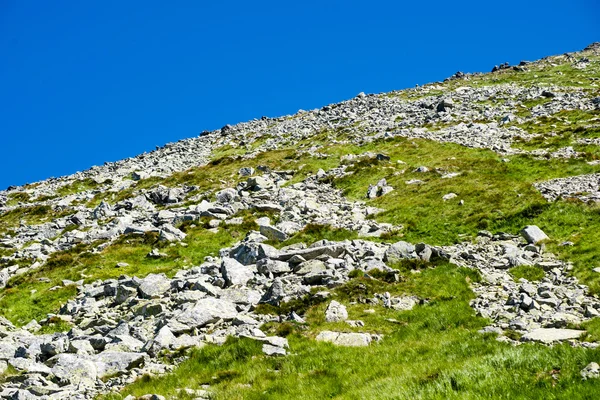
(404, 207)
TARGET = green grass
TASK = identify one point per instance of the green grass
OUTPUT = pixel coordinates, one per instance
(31, 215)
(313, 232)
(529, 272)
(17, 197)
(431, 352)
(78, 186)
(560, 130)
(493, 190)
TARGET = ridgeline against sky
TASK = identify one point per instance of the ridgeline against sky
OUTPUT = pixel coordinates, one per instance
(81, 83)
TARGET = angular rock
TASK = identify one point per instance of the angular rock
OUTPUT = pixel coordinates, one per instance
(206, 311)
(154, 286)
(236, 273)
(533, 234)
(336, 312)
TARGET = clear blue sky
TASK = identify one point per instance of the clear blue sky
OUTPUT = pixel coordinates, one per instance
(84, 82)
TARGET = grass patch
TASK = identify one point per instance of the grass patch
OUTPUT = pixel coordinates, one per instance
(529, 272)
(78, 186)
(32, 215)
(313, 232)
(17, 197)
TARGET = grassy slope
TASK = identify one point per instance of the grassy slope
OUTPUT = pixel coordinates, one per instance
(430, 352)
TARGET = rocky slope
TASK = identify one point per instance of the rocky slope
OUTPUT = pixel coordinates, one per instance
(274, 181)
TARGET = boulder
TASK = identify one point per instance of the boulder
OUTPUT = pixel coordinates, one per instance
(112, 362)
(206, 311)
(591, 371)
(533, 234)
(154, 286)
(399, 251)
(336, 312)
(236, 273)
(74, 369)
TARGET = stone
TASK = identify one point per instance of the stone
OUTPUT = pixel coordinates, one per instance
(551, 335)
(74, 369)
(206, 311)
(112, 362)
(154, 286)
(267, 266)
(227, 196)
(271, 350)
(310, 267)
(591, 371)
(335, 312)
(124, 293)
(445, 105)
(236, 273)
(273, 233)
(533, 234)
(399, 251)
(81, 346)
(310, 253)
(449, 196)
(246, 171)
(345, 339)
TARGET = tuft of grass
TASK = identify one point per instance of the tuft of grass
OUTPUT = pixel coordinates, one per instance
(31, 215)
(314, 232)
(78, 186)
(529, 272)
(18, 197)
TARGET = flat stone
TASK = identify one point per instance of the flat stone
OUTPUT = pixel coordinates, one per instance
(75, 369)
(154, 286)
(533, 234)
(352, 339)
(206, 311)
(550, 335)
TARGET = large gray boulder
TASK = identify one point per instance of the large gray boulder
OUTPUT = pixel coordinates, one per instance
(112, 362)
(154, 286)
(273, 233)
(333, 250)
(236, 273)
(206, 311)
(336, 312)
(550, 335)
(74, 369)
(399, 251)
(533, 234)
(353, 339)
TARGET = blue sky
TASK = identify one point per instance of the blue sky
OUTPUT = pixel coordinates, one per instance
(84, 82)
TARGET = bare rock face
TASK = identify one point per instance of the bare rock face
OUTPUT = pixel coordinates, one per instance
(154, 286)
(236, 273)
